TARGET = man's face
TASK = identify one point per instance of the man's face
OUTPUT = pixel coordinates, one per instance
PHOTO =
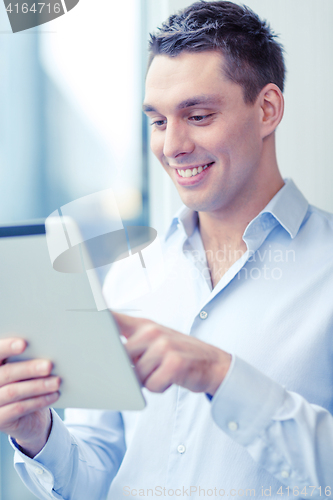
(206, 138)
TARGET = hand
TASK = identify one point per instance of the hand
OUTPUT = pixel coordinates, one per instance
(26, 392)
(163, 357)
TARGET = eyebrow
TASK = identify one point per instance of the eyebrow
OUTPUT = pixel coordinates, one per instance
(205, 100)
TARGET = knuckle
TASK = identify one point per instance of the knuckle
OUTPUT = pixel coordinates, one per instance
(6, 371)
(173, 362)
(18, 409)
(163, 344)
(40, 402)
(41, 386)
(11, 392)
(33, 388)
(150, 331)
(32, 368)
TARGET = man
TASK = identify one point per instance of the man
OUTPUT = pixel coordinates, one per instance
(239, 402)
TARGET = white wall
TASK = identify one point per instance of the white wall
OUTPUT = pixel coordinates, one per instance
(305, 136)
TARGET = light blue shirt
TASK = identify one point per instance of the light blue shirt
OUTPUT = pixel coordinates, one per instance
(268, 431)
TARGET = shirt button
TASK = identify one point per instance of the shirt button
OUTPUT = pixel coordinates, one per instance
(233, 426)
(47, 478)
(203, 315)
(285, 474)
(39, 471)
(181, 448)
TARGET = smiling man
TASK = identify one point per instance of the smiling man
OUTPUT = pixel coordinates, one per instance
(234, 347)
(217, 146)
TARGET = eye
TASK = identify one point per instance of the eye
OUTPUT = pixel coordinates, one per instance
(200, 118)
(158, 123)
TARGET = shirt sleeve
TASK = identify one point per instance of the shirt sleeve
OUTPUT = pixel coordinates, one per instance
(78, 461)
(286, 435)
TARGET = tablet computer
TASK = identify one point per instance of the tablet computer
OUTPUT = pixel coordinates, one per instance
(57, 314)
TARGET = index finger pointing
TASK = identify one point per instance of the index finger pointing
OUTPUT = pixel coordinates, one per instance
(127, 324)
(10, 347)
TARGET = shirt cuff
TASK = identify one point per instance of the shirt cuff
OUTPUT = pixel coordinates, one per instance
(54, 455)
(246, 402)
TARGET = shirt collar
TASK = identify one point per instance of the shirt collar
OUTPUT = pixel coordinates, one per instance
(288, 208)
(184, 218)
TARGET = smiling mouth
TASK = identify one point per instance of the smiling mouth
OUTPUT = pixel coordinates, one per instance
(191, 172)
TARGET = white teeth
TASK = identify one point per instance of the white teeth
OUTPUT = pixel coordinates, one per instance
(191, 172)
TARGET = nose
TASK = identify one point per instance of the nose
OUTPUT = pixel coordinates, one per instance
(177, 140)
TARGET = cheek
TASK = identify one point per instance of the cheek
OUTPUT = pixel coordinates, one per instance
(251, 144)
(244, 141)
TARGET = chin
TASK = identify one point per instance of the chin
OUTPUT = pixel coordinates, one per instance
(212, 203)
(195, 204)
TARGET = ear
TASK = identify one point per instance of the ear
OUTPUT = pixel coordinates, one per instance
(271, 104)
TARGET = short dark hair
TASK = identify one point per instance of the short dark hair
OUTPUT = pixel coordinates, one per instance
(253, 58)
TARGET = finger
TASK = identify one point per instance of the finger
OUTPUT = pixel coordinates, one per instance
(160, 380)
(28, 389)
(14, 411)
(158, 370)
(146, 338)
(149, 356)
(10, 347)
(127, 324)
(136, 349)
(146, 365)
(167, 373)
(24, 370)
